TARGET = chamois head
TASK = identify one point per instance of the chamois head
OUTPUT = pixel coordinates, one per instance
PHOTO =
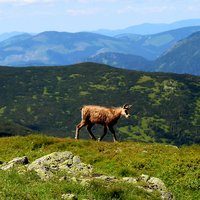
(125, 110)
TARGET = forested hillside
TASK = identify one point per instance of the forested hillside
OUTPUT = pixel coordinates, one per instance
(166, 107)
(184, 57)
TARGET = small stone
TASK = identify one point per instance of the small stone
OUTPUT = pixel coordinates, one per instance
(85, 182)
(20, 160)
(144, 151)
(129, 180)
(106, 178)
(74, 179)
(16, 161)
(63, 178)
(7, 167)
(76, 160)
(144, 178)
(156, 184)
(69, 197)
(167, 196)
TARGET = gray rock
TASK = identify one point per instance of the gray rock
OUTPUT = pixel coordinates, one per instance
(143, 178)
(47, 166)
(16, 161)
(69, 197)
(167, 196)
(76, 160)
(129, 180)
(106, 178)
(156, 184)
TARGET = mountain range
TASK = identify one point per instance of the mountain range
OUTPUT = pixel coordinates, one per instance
(5, 36)
(156, 52)
(150, 28)
(183, 57)
(58, 48)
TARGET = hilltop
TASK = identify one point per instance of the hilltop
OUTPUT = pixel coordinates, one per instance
(48, 100)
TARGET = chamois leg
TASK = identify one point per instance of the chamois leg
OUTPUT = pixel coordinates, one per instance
(113, 133)
(104, 133)
(78, 127)
(90, 132)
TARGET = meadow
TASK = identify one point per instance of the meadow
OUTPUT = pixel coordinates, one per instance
(177, 167)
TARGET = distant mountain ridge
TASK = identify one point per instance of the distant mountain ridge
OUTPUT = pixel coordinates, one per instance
(5, 36)
(150, 28)
(58, 48)
(131, 51)
(153, 46)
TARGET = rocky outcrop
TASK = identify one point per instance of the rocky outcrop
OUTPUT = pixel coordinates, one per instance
(155, 184)
(49, 165)
(74, 170)
(145, 182)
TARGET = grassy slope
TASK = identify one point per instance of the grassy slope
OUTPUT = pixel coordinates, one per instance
(166, 107)
(178, 168)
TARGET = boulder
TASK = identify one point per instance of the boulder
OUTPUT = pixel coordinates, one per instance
(155, 184)
(47, 166)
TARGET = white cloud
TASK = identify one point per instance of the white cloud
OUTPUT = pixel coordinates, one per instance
(79, 12)
(143, 9)
(20, 2)
(96, 1)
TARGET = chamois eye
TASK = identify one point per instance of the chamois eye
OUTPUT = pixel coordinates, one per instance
(126, 112)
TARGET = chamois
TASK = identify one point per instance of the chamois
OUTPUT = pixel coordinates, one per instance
(108, 117)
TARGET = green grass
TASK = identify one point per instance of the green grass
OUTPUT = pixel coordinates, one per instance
(28, 186)
(179, 168)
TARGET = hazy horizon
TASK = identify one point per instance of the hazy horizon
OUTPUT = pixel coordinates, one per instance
(36, 16)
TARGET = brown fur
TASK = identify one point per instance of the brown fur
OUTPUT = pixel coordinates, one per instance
(108, 117)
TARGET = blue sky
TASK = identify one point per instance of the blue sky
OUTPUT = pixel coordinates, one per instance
(86, 15)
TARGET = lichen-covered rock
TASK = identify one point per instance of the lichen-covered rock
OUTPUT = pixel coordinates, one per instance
(69, 197)
(129, 180)
(144, 178)
(167, 196)
(16, 161)
(47, 166)
(106, 178)
(155, 184)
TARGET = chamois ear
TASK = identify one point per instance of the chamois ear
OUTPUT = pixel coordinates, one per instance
(129, 106)
(126, 106)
